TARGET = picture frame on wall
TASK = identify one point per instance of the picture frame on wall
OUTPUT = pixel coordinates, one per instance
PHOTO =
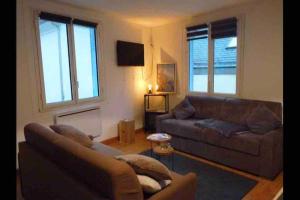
(166, 78)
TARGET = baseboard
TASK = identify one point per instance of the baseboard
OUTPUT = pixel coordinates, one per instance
(279, 194)
(116, 138)
(139, 130)
(110, 140)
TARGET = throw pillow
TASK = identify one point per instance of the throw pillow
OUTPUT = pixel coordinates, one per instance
(73, 134)
(184, 110)
(262, 120)
(145, 165)
(149, 185)
(226, 129)
(164, 183)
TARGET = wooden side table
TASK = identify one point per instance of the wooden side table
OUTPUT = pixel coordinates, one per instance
(126, 131)
(165, 151)
(163, 148)
(151, 113)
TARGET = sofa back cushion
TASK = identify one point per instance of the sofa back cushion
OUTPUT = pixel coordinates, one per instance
(233, 110)
(206, 106)
(104, 174)
(262, 120)
(183, 110)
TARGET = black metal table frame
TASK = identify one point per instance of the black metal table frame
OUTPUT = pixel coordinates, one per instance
(172, 156)
(147, 104)
(149, 114)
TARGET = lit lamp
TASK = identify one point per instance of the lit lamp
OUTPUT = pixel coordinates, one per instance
(156, 88)
(149, 89)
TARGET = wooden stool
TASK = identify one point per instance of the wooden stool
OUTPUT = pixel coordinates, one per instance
(126, 131)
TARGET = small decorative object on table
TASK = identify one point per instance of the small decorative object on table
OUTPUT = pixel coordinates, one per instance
(149, 89)
(163, 148)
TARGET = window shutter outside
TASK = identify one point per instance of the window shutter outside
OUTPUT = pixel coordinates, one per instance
(197, 32)
(224, 28)
(54, 17)
(84, 23)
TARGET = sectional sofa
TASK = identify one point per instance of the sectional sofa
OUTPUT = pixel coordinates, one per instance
(260, 154)
(55, 167)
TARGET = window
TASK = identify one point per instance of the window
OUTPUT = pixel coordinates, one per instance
(199, 65)
(213, 57)
(55, 61)
(86, 61)
(68, 53)
(224, 66)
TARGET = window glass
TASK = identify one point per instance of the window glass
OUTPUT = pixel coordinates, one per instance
(55, 61)
(225, 59)
(198, 65)
(86, 61)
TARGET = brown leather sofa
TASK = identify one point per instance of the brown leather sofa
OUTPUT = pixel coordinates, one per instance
(53, 167)
(258, 154)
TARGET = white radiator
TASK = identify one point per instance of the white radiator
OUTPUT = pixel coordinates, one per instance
(87, 120)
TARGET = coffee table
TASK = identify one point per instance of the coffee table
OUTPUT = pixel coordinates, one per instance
(163, 148)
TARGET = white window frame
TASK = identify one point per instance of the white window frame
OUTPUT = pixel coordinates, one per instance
(43, 106)
(240, 38)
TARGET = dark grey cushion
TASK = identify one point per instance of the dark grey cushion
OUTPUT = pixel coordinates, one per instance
(262, 120)
(224, 128)
(184, 110)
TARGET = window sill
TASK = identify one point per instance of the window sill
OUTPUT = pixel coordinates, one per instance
(212, 94)
(65, 107)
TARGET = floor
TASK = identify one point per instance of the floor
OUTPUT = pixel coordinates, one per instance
(264, 190)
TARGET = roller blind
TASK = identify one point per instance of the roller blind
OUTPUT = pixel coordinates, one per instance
(197, 32)
(224, 28)
(84, 23)
(54, 17)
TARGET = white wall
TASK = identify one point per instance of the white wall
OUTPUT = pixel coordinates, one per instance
(262, 66)
(123, 86)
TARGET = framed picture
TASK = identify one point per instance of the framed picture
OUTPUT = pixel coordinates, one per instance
(166, 78)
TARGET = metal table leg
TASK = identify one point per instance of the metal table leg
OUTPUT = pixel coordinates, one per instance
(151, 149)
(172, 161)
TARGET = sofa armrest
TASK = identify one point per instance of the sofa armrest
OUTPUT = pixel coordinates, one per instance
(271, 153)
(184, 188)
(159, 118)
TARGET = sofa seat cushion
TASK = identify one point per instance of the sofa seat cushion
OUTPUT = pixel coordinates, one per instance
(246, 142)
(105, 149)
(226, 129)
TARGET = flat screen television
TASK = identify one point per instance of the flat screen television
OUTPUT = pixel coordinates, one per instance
(130, 53)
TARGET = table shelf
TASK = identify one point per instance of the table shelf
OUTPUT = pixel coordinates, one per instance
(150, 113)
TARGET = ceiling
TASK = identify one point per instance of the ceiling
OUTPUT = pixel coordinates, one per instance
(154, 12)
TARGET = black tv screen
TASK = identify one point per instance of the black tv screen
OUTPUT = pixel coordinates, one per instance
(130, 53)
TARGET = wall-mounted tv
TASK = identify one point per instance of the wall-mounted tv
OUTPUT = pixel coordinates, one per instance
(130, 53)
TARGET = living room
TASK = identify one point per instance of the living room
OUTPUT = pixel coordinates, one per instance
(168, 33)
